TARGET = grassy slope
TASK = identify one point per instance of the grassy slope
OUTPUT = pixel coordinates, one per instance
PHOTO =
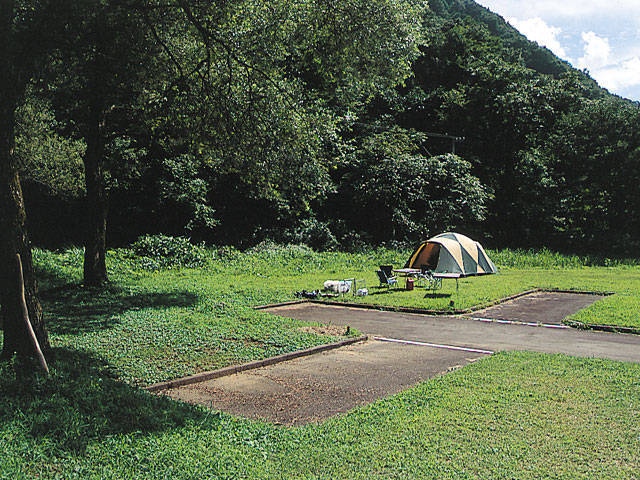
(516, 414)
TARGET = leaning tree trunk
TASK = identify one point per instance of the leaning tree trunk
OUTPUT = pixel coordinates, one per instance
(14, 240)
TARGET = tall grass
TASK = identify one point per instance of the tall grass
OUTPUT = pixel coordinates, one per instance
(548, 259)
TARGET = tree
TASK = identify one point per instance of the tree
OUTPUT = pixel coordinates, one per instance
(45, 157)
(98, 71)
(20, 55)
(396, 193)
(595, 158)
(258, 111)
(51, 174)
(473, 84)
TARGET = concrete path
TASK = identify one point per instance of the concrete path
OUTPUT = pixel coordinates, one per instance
(320, 386)
(539, 307)
(404, 349)
(472, 333)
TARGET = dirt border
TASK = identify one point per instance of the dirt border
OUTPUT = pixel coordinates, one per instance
(223, 372)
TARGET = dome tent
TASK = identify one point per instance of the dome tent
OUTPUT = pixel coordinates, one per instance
(452, 253)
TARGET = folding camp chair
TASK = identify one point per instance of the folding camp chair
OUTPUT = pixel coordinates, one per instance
(387, 269)
(385, 279)
(426, 278)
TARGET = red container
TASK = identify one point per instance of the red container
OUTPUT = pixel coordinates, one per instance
(409, 285)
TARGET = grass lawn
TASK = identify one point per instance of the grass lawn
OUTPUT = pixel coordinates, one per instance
(512, 415)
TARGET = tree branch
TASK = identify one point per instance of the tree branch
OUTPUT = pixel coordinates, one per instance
(209, 39)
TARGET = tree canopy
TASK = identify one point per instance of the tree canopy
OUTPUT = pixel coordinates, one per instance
(176, 106)
(319, 122)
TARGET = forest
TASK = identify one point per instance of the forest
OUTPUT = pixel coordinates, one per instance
(328, 123)
(336, 124)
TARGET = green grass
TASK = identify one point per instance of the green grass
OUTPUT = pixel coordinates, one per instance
(512, 415)
(158, 325)
(515, 415)
(519, 271)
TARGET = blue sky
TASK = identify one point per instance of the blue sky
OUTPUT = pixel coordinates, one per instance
(601, 36)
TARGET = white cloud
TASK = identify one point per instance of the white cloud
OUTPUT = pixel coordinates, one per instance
(606, 66)
(539, 31)
(552, 9)
(619, 76)
(597, 51)
(600, 36)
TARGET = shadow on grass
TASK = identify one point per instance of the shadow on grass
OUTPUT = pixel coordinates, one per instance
(385, 291)
(81, 402)
(74, 309)
(50, 276)
(437, 295)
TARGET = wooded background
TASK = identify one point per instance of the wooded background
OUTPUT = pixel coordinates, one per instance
(330, 123)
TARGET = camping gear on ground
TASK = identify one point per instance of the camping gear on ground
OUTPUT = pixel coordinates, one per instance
(387, 269)
(338, 286)
(409, 284)
(428, 279)
(310, 295)
(451, 253)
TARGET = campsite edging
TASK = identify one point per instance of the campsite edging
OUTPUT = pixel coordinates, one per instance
(233, 369)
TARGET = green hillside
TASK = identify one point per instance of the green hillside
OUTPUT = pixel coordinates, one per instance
(535, 57)
(553, 148)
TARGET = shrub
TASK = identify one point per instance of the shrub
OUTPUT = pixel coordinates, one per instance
(312, 232)
(161, 251)
(271, 250)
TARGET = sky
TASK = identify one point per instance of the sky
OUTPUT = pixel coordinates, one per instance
(601, 36)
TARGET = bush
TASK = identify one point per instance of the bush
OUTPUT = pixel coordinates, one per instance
(271, 250)
(412, 196)
(161, 251)
(314, 233)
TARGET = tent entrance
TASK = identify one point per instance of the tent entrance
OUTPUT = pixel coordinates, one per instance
(427, 257)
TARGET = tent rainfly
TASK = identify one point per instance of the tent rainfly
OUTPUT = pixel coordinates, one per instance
(452, 253)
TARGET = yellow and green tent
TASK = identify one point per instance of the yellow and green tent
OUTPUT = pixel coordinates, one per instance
(452, 253)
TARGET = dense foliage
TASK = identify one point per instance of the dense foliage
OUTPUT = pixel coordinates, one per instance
(334, 125)
(161, 251)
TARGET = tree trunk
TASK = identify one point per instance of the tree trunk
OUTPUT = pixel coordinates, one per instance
(13, 232)
(95, 246)
(14, 239)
